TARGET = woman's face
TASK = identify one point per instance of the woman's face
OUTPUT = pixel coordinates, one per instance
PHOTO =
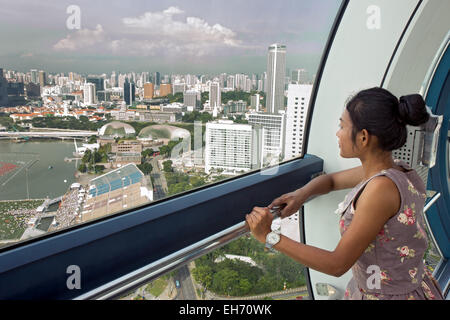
(344, 135)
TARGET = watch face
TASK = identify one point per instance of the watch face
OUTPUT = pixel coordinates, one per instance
(273, 238)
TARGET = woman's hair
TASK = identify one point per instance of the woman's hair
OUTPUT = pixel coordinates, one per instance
(384, 116)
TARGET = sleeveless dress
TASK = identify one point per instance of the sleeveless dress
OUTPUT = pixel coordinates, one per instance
(392, 266)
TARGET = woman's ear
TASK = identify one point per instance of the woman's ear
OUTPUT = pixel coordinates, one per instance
(364, 136)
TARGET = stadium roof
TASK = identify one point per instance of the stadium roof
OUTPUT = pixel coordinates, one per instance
(116, 179)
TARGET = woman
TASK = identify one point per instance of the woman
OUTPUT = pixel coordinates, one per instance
(382, 223)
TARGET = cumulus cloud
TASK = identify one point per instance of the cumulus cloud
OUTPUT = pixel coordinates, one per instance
(193, 30)
(156, 33)
(81, 39)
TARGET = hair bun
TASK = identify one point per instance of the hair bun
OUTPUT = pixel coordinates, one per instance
(412, 110)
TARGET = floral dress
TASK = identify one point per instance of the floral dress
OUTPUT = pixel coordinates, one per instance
(392, 266)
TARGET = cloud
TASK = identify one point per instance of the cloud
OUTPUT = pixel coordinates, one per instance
(156, 33)
(160, 31)
(81, 39)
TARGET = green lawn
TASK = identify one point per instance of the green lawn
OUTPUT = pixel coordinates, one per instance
(156, 287)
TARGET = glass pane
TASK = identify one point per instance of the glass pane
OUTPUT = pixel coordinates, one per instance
(242, 269)
(100, 113)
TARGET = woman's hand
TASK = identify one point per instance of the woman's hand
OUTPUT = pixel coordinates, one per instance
(291, 201)
(259, 222)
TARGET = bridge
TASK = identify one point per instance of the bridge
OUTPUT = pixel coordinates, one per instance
(48, 134)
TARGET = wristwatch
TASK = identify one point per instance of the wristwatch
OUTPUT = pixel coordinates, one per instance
(272, 239)
(276, 226)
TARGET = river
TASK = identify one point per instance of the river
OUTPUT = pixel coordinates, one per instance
(49, 176)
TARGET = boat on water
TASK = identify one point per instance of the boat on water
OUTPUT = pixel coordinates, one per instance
(50, 167)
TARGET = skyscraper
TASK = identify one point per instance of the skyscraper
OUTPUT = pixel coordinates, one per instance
(149, 90)
(3, 90)
(42, 78)
(129, 92)
(34, 76)
(215, 98)
(98, 81)
(157, 78)
(300, 76)
(89, 93)
(165, 89)
(276, 73)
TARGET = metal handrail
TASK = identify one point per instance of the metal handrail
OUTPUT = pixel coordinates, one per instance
(139, 277)
(169, 263)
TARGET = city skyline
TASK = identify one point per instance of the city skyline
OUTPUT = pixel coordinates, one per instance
(167, 36)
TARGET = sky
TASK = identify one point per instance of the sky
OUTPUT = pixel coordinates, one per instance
(169, 36)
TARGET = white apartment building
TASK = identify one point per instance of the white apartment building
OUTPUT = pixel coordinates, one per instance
(231, 147)
(297, 109)
(89, 93)
(273, 128)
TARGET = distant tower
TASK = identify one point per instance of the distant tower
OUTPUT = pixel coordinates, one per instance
(129, 91)
(42, 78)
(34, 76)
(276, 73)
(89, 93)
(215, 98)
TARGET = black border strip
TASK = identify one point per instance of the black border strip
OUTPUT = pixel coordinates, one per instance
(399, 42)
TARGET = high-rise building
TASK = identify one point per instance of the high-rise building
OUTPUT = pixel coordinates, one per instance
(273, 128)
(215, 97)
(157, 78)
(3, 90)
(89, 93)
(34, 76)
(114, 80)
(129, 92)
(231, 147)
(300, 76)
(98, 81)
(276, 73)
(165, 89)
(149, 90)
(179, 87)
(297, 109)
(255, 102)
(192, 99)
(42, 78)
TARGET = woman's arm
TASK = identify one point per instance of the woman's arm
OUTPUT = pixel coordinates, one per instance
(320, 185)
(379, 201)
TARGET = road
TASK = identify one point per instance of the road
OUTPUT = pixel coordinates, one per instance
(49, 134)
(159, 181)
(186, 290)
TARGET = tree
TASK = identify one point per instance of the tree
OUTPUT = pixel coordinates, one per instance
(146, 168)
(82, 168)
(86, 157)
(167, 166)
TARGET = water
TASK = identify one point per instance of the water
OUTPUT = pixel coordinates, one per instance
(42, 181)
